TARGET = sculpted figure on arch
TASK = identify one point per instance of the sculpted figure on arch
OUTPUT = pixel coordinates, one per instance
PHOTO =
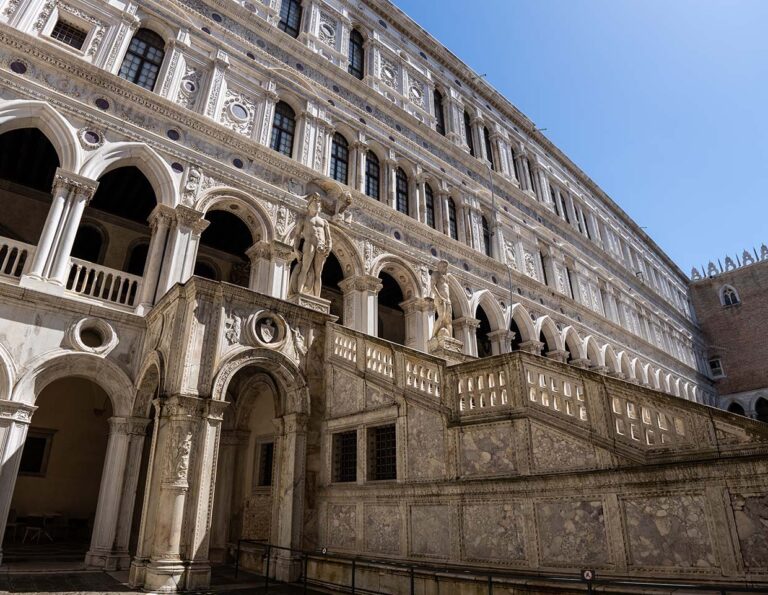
(441, 296)
(311, 245)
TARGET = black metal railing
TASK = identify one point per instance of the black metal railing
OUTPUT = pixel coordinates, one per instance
(490, 577)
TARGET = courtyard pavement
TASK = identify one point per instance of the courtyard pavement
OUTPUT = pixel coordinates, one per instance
(74, 581)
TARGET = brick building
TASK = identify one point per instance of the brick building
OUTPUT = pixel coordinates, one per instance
(732, 309)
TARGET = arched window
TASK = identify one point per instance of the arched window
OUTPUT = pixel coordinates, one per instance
(453, 229)
(339, 158)
(486, 236)
(728, 296)
(488, 147)
(137, 259)
(372, 171)
(290, 17)
(401, 191)
(468, 133)
(283, 127)
(439, 113)
(143, 59)
(89, 245)
(356, 55)
(429, 205)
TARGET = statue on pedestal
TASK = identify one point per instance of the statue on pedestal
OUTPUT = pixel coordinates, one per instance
(311, 245)
(441, 296)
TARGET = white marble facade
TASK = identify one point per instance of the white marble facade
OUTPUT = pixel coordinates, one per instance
(546, 263)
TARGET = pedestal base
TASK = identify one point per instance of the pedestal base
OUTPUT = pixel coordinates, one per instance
(447, 348)
(309, 301)
(41, 285)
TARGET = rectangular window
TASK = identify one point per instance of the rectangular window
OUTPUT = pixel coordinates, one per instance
(69, 34)
(382, 453)
(266, 460)
(716, 368)
(345, 456)
(37, 451)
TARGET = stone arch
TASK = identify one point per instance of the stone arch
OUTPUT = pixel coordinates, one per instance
(150, 378)
(39, 114)
(546, 326)
(674, 386)
(346, 252)
(685, 391)
(401, 272)
(7, 373)
(610, 359)
(645, 373)
(625, 365)
(103, 372)
(519, 314)
(141, 156)
(491, 308)
(241, 205)
(573, 343)
(459, 300)
(156, 25)
(654, 375)
(666, 384)
(292, 397)
(593, 352)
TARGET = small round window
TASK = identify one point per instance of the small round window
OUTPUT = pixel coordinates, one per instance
(91, 337)
(239, 111)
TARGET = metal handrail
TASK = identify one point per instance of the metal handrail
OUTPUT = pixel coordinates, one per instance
(483, 574)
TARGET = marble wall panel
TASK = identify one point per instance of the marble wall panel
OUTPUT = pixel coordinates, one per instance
(376, 397)
(383, 526)
(493, 532)
(751, 514)
(556, 451)
(346, 396)
(426, 444)
(572, 533)
(669, 531)
(431, 531)
(487, 450)
(342, 519)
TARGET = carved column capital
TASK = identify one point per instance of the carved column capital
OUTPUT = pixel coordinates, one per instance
(74, 184)
(361, 283)
(16, 411)
(191, 219)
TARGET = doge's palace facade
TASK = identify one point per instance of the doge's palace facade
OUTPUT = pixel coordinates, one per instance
(266, 249)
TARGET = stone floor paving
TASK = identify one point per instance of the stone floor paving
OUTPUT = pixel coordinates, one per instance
(106, 583)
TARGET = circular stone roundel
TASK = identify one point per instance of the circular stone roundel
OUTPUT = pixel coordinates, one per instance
(92, 335)
(268, 329)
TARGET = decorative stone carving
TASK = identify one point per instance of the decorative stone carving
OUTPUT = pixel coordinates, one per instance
(91, 335)
(189, 89)
(530, 265)
(312, 245)
(238, 113)
(234, 327)
(179, 451)
(442, 298)
(327, 29)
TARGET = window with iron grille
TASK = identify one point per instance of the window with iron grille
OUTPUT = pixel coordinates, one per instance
(69, 34)
(401, 191)
(372, 171)
(356, 55)
(439, 113)
(339, 158)
(468, 133)
(452, 226)
(488, 147)
(143, 59)
(290, 17)
(283, 127)
(382, 453)
(429, 205)
(266, 460)
(345, 456)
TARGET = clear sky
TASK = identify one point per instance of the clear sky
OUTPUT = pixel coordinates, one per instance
(663, 103)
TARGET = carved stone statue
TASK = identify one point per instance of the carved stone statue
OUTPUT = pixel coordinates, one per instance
(441, 295)
(312, 253)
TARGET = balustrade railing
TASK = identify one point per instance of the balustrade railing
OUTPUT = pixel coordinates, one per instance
(15, 258)
(101, 283)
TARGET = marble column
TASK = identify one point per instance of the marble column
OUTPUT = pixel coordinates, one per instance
(360, 303)
(280, 271)
(14, 423)
(290, 486)
(80, 196)
(102, 552)
(222, 501)
(419, 321)
(558, 355)
(465, 330)
(46, 245)
(159, 222)
(165, 572)
(501, 341)
(181, 252)
(260, 256)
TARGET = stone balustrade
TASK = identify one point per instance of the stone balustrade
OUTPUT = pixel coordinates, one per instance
(102, 283)
(15, 258)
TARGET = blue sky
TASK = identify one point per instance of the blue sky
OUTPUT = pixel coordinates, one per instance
(663, 103)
